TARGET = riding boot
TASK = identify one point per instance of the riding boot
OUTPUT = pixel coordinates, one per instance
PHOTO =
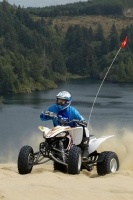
(85, 144)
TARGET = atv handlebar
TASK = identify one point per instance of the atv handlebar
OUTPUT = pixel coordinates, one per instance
(80, 123)
(50, 114)
(64, 121)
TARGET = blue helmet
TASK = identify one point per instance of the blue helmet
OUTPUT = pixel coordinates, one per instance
(63, 100)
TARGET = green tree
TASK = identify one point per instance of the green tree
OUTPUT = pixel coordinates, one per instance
(7, 80)
(99, 35)
(113, 38)
(104, 47)
(58, 64)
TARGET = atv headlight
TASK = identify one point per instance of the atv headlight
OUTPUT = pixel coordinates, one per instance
(63, 134)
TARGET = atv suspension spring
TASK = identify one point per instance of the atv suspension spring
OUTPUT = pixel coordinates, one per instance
(62, 151)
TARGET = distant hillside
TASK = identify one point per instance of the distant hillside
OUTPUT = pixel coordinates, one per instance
(38, 52)
(88, 14)
(63, 23)
(91, 7)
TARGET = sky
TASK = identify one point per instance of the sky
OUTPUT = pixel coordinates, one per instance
(40, 3)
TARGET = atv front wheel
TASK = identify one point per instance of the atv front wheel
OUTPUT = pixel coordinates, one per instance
(74, 160)
(109, 163)
(25, 160)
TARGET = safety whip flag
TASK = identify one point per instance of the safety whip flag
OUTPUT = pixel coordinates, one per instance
(124, 42)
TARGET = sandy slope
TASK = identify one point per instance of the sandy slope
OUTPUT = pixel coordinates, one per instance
(44, 183)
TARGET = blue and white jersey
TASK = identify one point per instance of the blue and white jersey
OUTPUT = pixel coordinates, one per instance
(69, 113)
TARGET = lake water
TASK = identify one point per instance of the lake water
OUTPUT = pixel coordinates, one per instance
(19, 116)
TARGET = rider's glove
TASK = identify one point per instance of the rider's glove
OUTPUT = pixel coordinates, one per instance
(48, 113)
(84, 122)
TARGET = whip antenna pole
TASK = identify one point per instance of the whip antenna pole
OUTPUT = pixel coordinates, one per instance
(123, 44)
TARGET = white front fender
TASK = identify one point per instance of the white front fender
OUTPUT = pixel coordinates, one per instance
(77, 135)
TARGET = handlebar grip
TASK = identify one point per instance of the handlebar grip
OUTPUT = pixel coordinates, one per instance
(81, 123)
(50, 114)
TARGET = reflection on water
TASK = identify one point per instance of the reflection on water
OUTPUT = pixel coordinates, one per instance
(19, 116)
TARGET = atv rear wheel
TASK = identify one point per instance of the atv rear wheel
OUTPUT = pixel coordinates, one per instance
(25, 160)
(109, 164)
(74, 160)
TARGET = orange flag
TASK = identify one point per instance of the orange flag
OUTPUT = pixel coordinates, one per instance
(124, 42)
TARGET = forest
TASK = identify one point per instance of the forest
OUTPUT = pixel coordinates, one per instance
(36, 55)
(91, 7)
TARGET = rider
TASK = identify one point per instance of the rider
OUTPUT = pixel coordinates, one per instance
(63, 110)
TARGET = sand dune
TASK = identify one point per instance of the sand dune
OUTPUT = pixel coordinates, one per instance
(44, 183)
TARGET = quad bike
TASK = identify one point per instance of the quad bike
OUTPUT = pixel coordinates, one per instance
(63, 145)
